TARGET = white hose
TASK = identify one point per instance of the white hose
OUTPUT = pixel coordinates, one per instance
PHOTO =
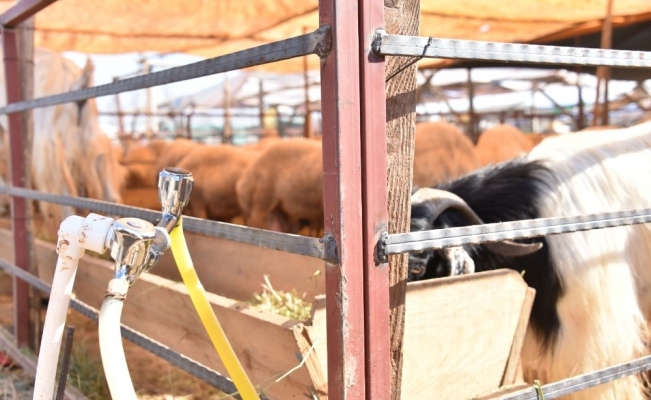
(110, 342)
(64, 276)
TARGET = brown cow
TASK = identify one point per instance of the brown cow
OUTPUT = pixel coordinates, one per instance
(216, 170)
(282, 189)
(441, 152)
(502, 143)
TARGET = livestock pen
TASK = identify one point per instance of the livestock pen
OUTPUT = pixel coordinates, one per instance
(360, 236)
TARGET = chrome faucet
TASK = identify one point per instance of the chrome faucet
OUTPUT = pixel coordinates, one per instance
(138, 245)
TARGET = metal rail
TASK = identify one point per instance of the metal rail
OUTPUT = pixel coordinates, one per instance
(585, 381)
(323, 248)
(476, 234)
(21, 11)
(317, 42)
(186, 364)
(418, 46)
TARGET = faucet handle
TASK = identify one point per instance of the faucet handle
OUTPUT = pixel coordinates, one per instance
(174, 188)
(131, 246)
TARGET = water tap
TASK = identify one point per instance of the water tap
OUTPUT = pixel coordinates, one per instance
(138, 245)
(174, 188)
(131, 247)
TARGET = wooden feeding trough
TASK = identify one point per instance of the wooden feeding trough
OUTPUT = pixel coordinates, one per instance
(463, 335)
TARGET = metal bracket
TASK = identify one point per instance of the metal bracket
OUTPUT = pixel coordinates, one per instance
(380, 253)
(330, 251)
(323, 47)
(376, 43)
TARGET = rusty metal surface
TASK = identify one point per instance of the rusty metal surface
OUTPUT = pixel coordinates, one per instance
(342, 201)
(21, 11)
(18, 205)
(374, 203)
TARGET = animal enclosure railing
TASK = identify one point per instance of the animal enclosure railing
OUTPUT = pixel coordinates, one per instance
(354, 139)
(341, 80)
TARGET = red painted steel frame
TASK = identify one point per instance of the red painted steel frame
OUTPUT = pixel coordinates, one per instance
(21, 11)
(342, 201)
(374, 205)
(18, 174)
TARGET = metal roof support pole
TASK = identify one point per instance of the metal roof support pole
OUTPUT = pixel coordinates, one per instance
(20, 211)
(21, 11)
(342, 195)
(374, 203)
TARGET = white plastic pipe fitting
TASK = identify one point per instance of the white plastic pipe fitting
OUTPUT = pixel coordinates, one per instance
(76, 234)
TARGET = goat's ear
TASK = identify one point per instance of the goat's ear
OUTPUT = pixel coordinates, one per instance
(86, 78)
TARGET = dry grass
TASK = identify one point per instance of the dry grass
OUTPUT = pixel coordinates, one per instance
(288, 304)
(15, 384)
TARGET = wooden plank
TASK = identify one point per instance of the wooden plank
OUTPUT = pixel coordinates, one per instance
(513, 371)
(266, 344)
(236, 270)
(230, 269)
(465, 325)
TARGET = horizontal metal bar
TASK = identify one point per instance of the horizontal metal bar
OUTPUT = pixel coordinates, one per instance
(21, 11)
(297, 244)
(317, 42)
(585, 381)
(186, 364)
(323, 248)
(476, 234)
(418, 46)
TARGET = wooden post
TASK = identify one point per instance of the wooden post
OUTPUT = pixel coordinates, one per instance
(472, 129)
(188, 125)
(261, 105)
(19, 77)
(603, 73)
(118, 108)
(227, 135)
(307, 129)
(401, 18)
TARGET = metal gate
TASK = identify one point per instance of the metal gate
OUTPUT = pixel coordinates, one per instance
(352, 47)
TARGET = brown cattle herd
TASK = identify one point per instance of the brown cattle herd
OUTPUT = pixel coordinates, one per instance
(277, 183)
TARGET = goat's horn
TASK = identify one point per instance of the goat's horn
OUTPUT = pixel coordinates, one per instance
(510, 248)
(443, 200)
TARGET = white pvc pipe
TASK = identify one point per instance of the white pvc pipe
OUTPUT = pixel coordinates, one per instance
(75, 235)
(69, 252)
(110, 342)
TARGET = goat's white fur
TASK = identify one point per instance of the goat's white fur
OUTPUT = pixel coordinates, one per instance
(606, 273)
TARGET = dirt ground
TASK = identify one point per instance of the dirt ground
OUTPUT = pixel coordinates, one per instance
(153, 378)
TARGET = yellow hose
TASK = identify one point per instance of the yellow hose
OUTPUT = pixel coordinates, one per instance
(207, 315)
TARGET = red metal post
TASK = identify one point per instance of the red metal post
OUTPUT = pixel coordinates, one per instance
(19, 210)
(342, 201)
(374, 203)
(21, 11)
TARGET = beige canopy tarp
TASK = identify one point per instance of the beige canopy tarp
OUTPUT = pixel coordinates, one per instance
(214, 27)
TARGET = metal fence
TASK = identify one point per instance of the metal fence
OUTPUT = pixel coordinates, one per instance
(352, 86)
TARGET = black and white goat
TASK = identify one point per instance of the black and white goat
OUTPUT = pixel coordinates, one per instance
(593, 288)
